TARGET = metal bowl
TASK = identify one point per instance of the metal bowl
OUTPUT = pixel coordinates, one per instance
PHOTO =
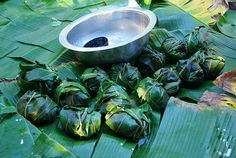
(127, 31)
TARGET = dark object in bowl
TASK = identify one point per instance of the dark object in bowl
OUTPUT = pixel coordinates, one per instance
(97, 42)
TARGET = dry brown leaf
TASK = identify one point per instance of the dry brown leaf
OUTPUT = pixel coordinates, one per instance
(227, 81)
(217, 100)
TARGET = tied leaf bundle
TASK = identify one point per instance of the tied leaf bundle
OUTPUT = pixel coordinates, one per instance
(169, 79)
(174, 49)
(93, 77)
(72, 94)
(151, 91)
(38, 77)
(125, 75)
(111, 92)
(37, 108)
(195, 41)
(150, 61)
(211, 64)
(80, 123)
(130, 123)
(190, 72)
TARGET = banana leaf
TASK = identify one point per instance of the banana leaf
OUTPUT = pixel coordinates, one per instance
(21, 139)
(11, 9)
(9, 46)
(26, 139)
(69, 71)
(9, 87)
(9, 91)
(226, 23)
(172, 18)
(141, 151)
(7, 64)
(110, 145)
(45, 146)
(205, 11)
(37, 18)
(194, 131)
(76, 4)
(80, 148)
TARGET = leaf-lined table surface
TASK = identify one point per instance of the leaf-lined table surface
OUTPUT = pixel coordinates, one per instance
(110, 145)
(227, 24)
(29, 31)
(19, 138)
(80, 148)
(195, 131)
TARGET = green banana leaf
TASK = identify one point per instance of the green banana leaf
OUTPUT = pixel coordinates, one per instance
(25, 140)
(142, 150)
(10, 10)
(9, 90)
(80, 148)
(172, 18)
(41, 21)
(194, 131)
(69, 70)
(206, 11)
(45, 146)
(227, 24)
(110, 145)
(13, 127)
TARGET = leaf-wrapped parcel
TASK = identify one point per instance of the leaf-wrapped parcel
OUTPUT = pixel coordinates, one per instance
(72, 94)
(38, 77)
(190, 72)
(80, 123)
(125, 75)
(195, 41)
(37, 108)
(174, 49)
(169, 79)
(150, 61)
(131, 123)
(111, 92)
(151, 91)
(211, 64)
(93, 77)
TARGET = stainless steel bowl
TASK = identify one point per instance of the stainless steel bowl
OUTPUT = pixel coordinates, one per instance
(127, 30)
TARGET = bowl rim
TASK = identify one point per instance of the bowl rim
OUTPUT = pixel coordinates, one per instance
(63, 34)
